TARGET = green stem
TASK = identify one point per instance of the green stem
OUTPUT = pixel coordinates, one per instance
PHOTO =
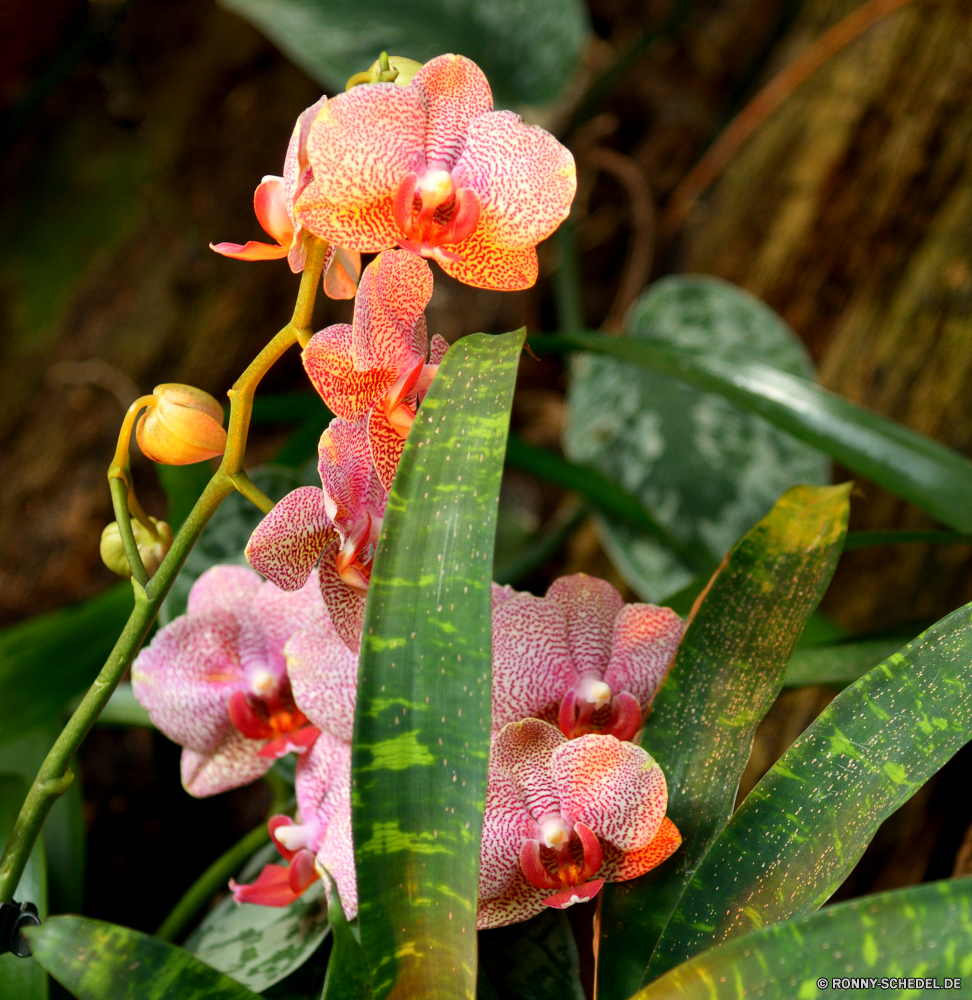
(119, 500)
(252, 492)
(55, 775)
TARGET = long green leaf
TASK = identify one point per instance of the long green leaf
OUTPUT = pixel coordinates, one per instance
(920, 932)
(422, 723)
(930, 475)
(726, 674)
(101, 961)
(46, 660)
(22, 978)
(348, 975)
(803, 828)
(838, 665)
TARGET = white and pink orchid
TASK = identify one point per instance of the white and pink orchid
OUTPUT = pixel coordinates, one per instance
(273, 203)
(579, 657)
(565, 816)
(430, 167)
(379, 368)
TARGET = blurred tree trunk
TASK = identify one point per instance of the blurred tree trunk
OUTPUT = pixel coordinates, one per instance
(850, 212)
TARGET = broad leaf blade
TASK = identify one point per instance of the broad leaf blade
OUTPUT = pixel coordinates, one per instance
(726, 674)
(805, 825)
(838, 665)
(527, 48)
(22, 978)
(704, 468)
(930, 475)
(260, 945)
(924, 931)
(422, 723)
(348, 975)
(101, 961)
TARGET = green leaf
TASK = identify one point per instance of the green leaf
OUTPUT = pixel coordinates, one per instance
(930, 475)
(527, 48)
(805, 825)
(727, 672)
(48, 659)
(101, 961)
(535, 960)
(837, 665)
(225, 536)
(260, 945)
(707, 470)
(348, 975)
(422, 721)
(22, 978)
(924, 931)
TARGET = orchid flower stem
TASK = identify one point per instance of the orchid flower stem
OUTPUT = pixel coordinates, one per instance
(119, 500)
(252, 492)
(55, 775)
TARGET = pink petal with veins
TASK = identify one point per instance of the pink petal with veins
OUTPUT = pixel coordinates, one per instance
(344, 605)
(590, 606)
(524, 177)
(281, 613)
(235, 762)
(504, 593)
(252, 250)
(346, 471)
(532, 665)
(348, 392)
(337, 856)
(285, 545)
(394, 291)
(187, 674)
(521, 752)
(296, 172)
(477, 261)
(360, 146)
(386, 446)
(223, 588)
(644, 642)
(618, 866)
(519, 901)
(506, 825)
(323, 677)
(437, 350)
(322, 781)
(615, 788)
(455, 91)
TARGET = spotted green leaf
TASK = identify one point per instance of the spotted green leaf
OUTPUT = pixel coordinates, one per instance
(726, 674)
(348, 974)
(22, 978)
(705, 469)
(101, 961)
(260, 945)
(921, 932)
(837, 665)
(422, 722)
(805, 825)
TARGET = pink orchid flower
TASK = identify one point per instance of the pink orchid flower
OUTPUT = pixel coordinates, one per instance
(565, 816)
(335, 526)
(273, 203)
(580, 656)
(215, 680)
(379, 368)
(430, 167)
(323, 674)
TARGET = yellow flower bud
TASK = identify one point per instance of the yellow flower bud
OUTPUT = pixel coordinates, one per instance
(152, 550)
(182, 426)
(387, 69)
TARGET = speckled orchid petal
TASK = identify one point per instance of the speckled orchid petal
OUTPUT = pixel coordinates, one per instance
(437, 349)
(532, 665)
(285, 545)
(281, 613)
(345, 606)
(271, 207)
(185, 677)
(322, 781)
(223, 588)
(506, 824)
(323, 676)
(477, 261)
(504, 593)
(524, 177)
(522, 751)
(615, 788)
(360, 146)
(456, 91)
(336, 856)
(236, 762)
(342, 268)
(385, 446)
(591, 607)
(645, 639)
(518, 902)
(394, 291)
(348, 392)
(296, 172)
(344, 464)
(619, 866)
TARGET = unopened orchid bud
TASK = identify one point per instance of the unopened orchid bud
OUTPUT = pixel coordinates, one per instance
(387, 69)
(152, 550)
(182, 426)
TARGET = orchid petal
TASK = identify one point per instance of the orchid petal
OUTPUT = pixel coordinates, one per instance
(619, 866)
(251, 250)
(223, 588)
(337, 857)
(280, 613)
(344, 464)
(323, 677)
(301, 872)
(519, 901)
(524, 177)
(506, 825)
(235, 762)
(386, 445)
(274, 824)
(344, 605)
(625, 717)
(477, 261)
(644, 642)
(348, 392)
(522, 751)
(361, 144)
(613, 787)
(296, 173)
(504, 593)
(591, 607)
(437, 350)
(270, 206)
(534, 868)
(285, 545)
(299, 742)
(532, 666)
(574, 894)
(272, 888)
(394, 291)
(341, 271)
